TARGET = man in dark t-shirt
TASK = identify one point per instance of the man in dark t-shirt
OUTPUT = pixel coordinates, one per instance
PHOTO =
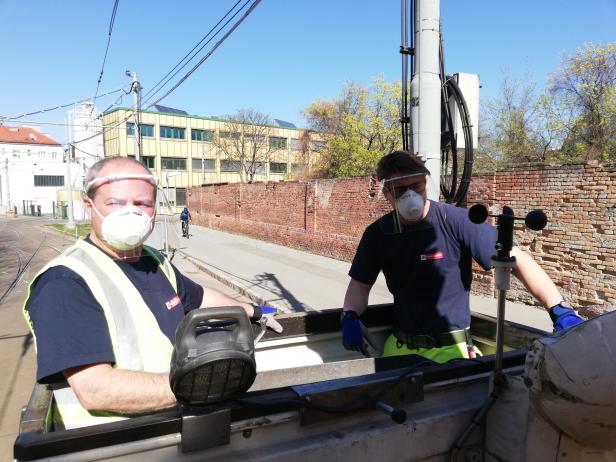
(425, 250)
(104, 312)
(61, 301)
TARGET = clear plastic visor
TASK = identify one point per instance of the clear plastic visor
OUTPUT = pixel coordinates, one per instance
(407, 194)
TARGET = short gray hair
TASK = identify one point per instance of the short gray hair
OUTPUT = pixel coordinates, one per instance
(98, 166)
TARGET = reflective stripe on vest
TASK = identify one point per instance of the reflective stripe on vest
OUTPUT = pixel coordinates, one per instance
(137, 341)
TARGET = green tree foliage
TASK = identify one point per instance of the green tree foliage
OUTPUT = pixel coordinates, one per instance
(586, 86)
(358, 127)
(520, 126)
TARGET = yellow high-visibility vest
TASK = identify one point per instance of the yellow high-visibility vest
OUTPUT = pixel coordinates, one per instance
(137, 341)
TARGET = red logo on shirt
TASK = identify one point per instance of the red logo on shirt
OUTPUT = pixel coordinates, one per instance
(438, 255)
(173, 302)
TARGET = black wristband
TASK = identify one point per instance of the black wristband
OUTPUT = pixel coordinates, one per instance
(257, 313)
(348, 314)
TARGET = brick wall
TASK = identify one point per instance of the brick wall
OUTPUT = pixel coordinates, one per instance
(577, 248)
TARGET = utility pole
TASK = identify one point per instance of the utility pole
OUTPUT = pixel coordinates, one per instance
(137, 109)
(8, 186)
(69, 186)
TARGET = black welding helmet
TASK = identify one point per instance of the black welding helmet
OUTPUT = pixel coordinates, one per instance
(213, 358)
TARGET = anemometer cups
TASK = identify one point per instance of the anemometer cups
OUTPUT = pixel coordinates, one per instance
(213, 358)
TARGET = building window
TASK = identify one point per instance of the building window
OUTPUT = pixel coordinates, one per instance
(169, 194)
(173, 133)
(146, 130)
(229, 135)
(277, 142)
(230, 165)
(180, 196)
(317, 145)
(172, 163)
(41, 154)
(296, 144)
(48, 180)
(256, 167)
(201, 135)
(148, 161)
(209, 165)
(15, 153)
(278, 167)
(54, 155)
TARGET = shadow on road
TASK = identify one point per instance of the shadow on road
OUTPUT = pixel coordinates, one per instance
(270, 282)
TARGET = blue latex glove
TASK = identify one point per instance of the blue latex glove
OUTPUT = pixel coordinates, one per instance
(355, 336)
(267, 313)
(564, 317)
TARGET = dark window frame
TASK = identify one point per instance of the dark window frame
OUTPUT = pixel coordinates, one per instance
(48, 180)
(274, 167)
(172, 133)
(166, 161)
(198, 134)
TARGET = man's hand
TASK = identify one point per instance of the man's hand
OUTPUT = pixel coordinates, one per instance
(267, 313)
(564, 317)
(354, 333)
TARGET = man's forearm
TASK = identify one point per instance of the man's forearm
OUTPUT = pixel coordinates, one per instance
(101, 387)
(535, 279)
(213, 297)
(356, 297)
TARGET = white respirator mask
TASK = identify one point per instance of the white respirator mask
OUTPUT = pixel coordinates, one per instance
(410, 205)
(126, 228)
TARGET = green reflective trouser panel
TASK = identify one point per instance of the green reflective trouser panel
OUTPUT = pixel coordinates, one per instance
(439, 355)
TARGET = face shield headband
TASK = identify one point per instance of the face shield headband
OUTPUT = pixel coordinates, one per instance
(95, 183)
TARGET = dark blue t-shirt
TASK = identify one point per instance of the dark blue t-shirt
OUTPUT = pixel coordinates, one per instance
(427, 266)
(70, 325)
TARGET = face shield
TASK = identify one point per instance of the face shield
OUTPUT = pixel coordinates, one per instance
(123, 210)
(407, 194)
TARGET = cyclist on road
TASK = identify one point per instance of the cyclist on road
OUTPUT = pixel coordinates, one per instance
(185, 217)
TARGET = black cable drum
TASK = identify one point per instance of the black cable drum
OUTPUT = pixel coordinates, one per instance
(213, 358)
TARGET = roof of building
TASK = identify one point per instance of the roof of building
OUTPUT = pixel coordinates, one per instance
(284, 124)
(24, 135)
(277, 122)
(169, 110)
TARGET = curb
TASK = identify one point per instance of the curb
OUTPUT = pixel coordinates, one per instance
(203, 266)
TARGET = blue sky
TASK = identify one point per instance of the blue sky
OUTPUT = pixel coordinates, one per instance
(285, 55)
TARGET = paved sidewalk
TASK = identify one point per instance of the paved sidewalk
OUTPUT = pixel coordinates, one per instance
(291, 279)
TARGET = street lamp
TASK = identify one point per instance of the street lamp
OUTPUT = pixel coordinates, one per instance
(165, 192)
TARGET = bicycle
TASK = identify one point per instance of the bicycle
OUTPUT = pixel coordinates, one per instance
(185, 229)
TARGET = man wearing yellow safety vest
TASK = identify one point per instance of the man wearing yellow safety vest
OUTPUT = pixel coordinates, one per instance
(104, 312)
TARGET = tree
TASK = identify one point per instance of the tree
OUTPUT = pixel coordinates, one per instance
(510, 121)
(357, 128)
(520, 126)
(586, 86)
(245, 140)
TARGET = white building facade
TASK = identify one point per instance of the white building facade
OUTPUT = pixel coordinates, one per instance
(33, 173)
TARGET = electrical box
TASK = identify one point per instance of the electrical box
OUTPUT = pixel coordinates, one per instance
(469, 86)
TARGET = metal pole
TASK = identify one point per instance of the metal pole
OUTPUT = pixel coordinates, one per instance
(137, 116)
(166, 203)
(8, 186)
(426, 91)
(500, 331)
(69, 186)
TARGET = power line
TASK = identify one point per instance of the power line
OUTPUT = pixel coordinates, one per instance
(100, 77)
(54, 108)
(208, 54)
(154, 88)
